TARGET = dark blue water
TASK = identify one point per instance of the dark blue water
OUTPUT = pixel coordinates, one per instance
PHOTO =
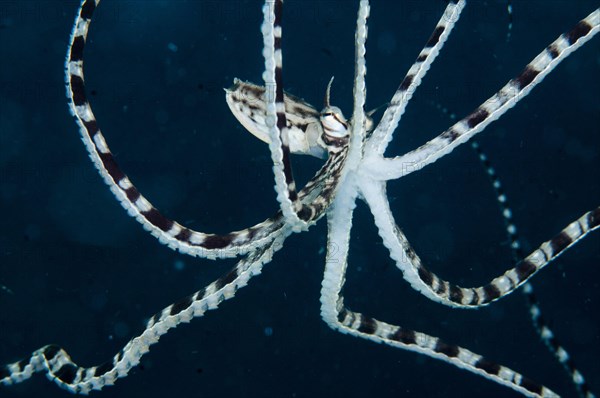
(77, 271)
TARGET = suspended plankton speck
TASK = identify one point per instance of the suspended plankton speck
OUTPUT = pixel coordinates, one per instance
(6, 289)
(172, 47)
(268, 331)
(179, 265)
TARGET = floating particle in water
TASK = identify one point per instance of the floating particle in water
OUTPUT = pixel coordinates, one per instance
(6, 289)
(179, 265)
(268, 331)
(172, 47)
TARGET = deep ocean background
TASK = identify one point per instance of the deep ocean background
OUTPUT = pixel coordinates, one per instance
(75, 270)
